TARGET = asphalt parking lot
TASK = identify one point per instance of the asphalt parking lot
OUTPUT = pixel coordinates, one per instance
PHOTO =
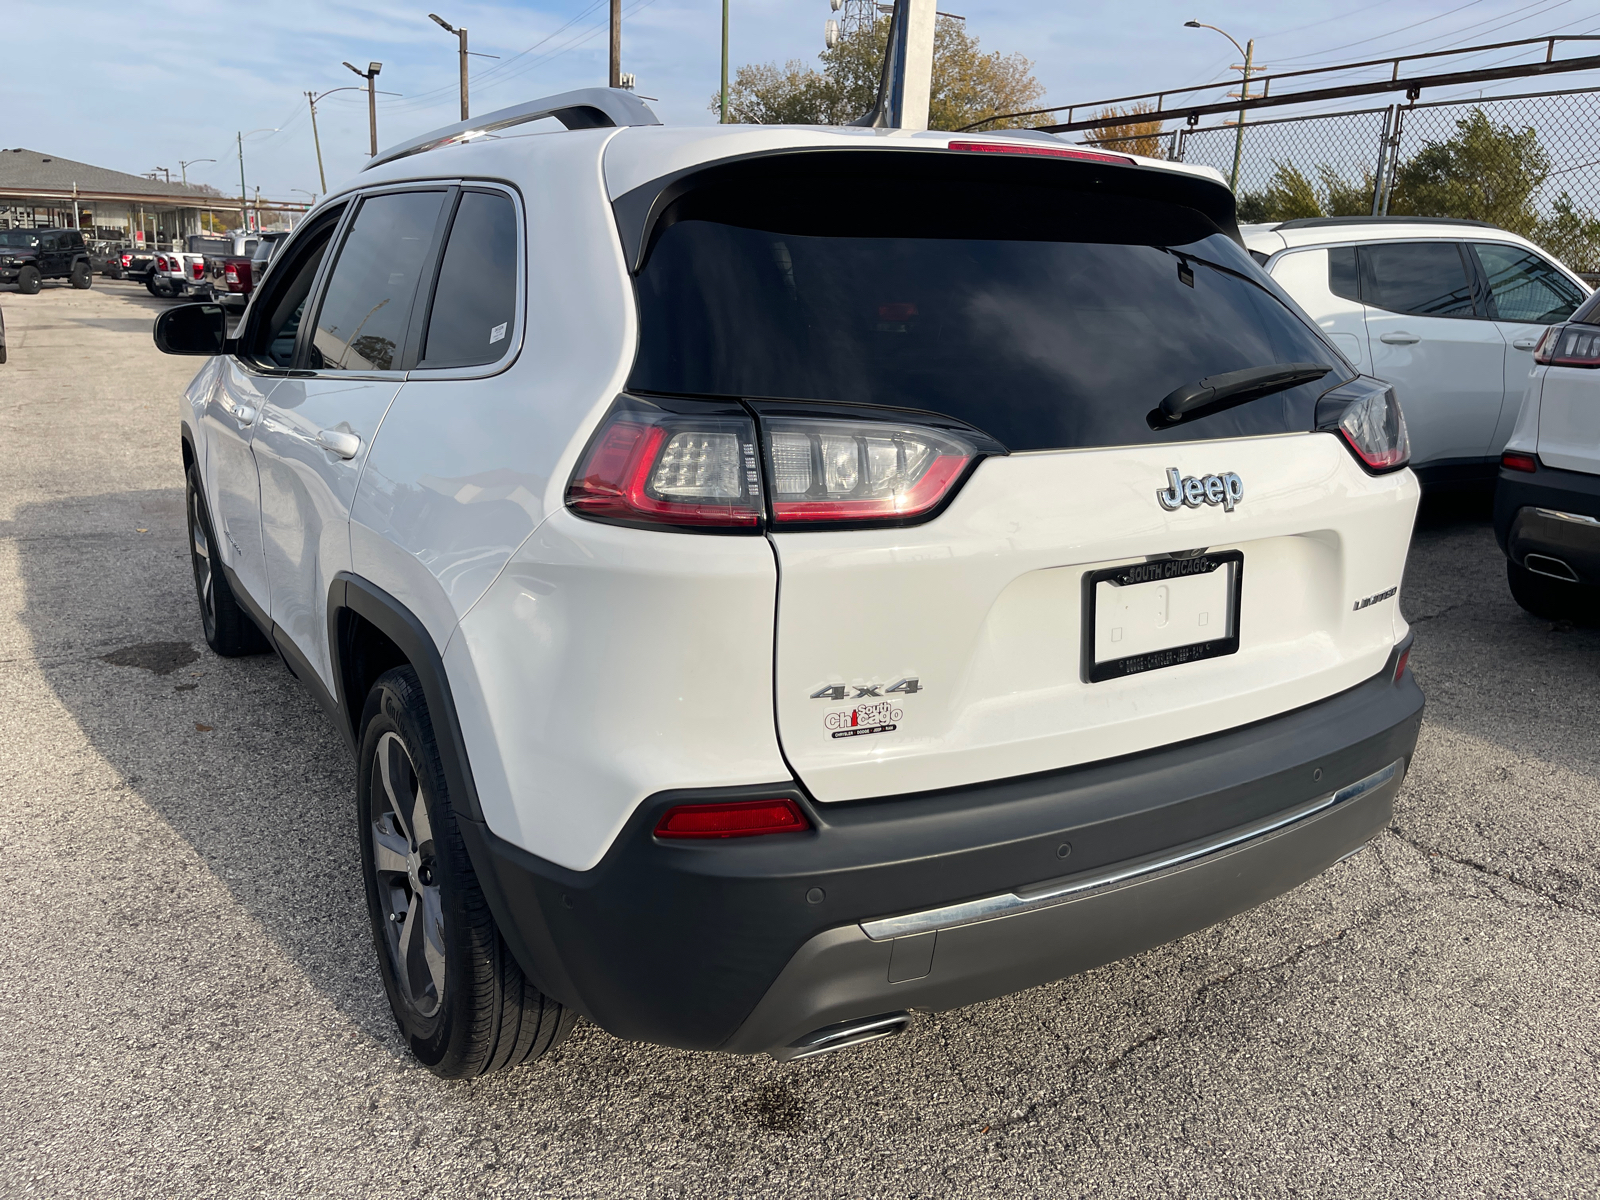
(191, 1006)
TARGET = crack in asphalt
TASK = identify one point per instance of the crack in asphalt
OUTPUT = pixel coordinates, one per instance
(1484, 869)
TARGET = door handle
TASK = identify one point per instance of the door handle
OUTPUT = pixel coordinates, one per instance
(1525, 343)
(345, 445)
(1399, 338)
(244, 414)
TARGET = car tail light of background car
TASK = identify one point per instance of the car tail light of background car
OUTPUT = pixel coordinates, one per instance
(1569, 346)
(709, 470)
(127, 260)
(199, 268)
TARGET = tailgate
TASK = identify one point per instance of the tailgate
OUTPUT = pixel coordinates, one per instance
(958, 651)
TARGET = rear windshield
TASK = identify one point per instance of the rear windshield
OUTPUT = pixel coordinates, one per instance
(1046, 314)
(210, 245)
(18, 239)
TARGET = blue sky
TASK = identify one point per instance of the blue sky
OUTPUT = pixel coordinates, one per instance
(171, 80)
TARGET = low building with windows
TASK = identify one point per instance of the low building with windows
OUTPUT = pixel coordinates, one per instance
(46, 191)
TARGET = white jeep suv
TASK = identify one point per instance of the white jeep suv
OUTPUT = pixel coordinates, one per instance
(1446, 310)
(778, 579)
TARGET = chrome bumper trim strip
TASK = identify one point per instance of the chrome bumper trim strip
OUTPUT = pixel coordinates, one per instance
(1046, 895)
(1557, 515)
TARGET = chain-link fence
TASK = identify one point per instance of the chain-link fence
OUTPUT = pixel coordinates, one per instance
(1528, 163)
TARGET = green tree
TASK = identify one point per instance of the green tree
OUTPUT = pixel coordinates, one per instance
(1131, 135)
(968, 85)
(1290, 194)
(1486, 172)
(1571, 235)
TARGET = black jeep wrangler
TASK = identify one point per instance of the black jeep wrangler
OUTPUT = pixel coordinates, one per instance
(30, 256)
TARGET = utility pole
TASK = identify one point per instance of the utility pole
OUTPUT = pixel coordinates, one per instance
(244, 195)
(616, 43)
(317, 141)
(724, 62)
(371, 76)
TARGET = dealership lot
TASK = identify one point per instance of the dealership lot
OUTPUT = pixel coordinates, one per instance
(192, 1006)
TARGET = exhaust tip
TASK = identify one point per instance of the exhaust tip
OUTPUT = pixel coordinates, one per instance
(1551, 568)
(847, 1033)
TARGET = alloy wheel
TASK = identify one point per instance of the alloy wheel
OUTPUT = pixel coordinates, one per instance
(404, 861)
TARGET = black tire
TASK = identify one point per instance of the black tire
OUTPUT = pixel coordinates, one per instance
(1549, 599)
(228, 628)
(82, 277)
(29, 281)
(150, 285)
(117, 273)
(465, 1008)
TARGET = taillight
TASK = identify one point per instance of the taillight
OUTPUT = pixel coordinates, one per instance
(127, 260)
(1369, 419)
(199, 268)
(839, 471)
(161, 262)
(230, 272)
(1569, 346)
(650, 465)
(1513, 460)
(1101, 156)
(745, 818)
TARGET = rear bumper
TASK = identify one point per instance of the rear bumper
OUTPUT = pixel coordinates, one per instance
(1554, 516)
(748, 945)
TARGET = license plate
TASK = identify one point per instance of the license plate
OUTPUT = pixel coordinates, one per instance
(1150, 615)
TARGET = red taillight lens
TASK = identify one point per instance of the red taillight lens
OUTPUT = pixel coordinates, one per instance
(1120, 160)
(127, 260)
(1400, 667)
(847, 471)
(1569, 346)
(742, 819)
(199, 269)
(230, 272)
(1375, 429)
(1512, 460)
(652, 466)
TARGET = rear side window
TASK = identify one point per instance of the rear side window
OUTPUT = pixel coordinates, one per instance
(1048, 313)
(1524, 287)
(475, 302)
(1343, 279)
(1424, 279)
(366, 309)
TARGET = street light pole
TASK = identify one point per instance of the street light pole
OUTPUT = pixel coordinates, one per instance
(244, 194)
(724, 62)
(371, 76)
(184, 167)
(1249, 51)
(461, 34)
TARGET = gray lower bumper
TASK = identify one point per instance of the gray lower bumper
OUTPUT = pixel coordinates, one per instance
(844, 974)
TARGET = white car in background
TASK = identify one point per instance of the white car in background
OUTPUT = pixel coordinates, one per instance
(1448, 311)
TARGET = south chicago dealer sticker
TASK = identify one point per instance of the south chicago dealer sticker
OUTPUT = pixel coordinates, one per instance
(880, 717)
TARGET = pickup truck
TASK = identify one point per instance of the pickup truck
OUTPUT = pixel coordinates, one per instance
(235, 276)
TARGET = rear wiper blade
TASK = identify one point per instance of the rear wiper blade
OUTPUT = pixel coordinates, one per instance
(1217, 392)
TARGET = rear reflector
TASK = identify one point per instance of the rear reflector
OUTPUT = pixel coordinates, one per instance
(1400, 667)
(742, 819)
(1512, 461)
(1101, 156)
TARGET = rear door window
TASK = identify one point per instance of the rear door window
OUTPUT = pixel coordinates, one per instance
(1524, 287)
(1343, 275)
(1046, 313)
(475, 301)
(366, 309)
(1424, 279)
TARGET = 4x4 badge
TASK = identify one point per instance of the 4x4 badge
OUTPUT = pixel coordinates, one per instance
(840, 691)
(1226, 490)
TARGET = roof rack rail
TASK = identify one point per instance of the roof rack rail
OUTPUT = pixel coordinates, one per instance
(585, 108)
(1316, 222)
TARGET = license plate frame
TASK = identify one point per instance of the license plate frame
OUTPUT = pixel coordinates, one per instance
(1157, 571)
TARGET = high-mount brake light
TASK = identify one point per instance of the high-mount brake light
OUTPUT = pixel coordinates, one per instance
(1512, 460)
(1569, 346)
(1375, 428)
(1101, 156)
(839, 471)
(744, 818)
(650, 466)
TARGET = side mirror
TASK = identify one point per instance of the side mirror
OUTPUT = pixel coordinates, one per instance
(192, 329)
